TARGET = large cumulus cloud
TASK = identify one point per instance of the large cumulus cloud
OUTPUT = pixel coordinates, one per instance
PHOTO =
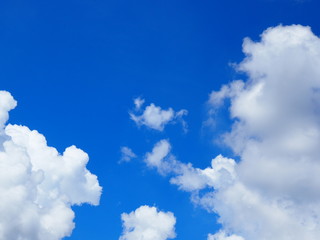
(273, 190)
(38, 185)
(276, 132)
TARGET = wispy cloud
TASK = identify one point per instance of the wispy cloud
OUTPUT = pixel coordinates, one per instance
(127, 154)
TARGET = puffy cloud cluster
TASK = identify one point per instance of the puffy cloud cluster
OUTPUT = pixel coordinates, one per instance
(273, 191)
(155, 117)
(147, 223)
(276, 132)
(188, 178)
(38, 185)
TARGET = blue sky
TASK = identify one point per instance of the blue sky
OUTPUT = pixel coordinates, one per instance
(75, 67)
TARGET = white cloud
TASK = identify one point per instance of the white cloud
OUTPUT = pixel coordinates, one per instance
(156, 157)
(138, 102)
(185, 175)
(273, 192)
(275, 132)
(155, 117)
(7, 103)
(127, 154)
(223, 236)
(219, 175)
(38, 185)
(147, 223)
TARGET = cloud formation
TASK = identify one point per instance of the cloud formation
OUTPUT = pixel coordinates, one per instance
(138, 102)
(155, 117)
(147, 223)
(155, 158)
(185, 175)
(273, 191)
(127, 154)
(38, 185)
(222, 236)
(276, 133)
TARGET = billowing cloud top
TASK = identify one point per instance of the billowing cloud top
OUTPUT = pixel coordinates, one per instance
(276, 132)
(273, 191)
(38, 185)
(147, 223)
(7, 103)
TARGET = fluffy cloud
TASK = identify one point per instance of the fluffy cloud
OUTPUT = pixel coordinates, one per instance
(272, 192)
(7, 103)
(276, 133)
(219, 174)
(155, 158)
(156, 118)
(38, 185)
(127, 154)
(147, 223)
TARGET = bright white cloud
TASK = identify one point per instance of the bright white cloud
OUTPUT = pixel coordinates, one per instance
(147, 223)
(7, 103)
(219, 175)
(185, 175)
(276, 133)
(38, 185)
(155, 117)
(127, 154)
(156, 157)
(273, 192)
